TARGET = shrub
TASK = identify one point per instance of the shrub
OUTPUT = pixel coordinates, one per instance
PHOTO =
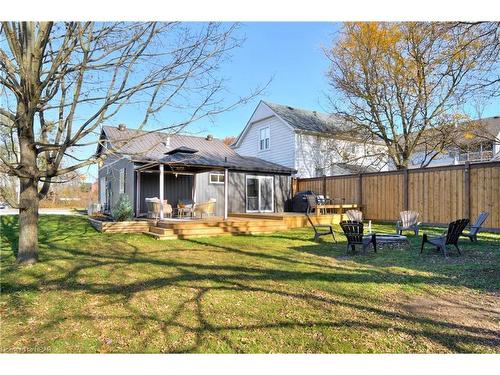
(123, 209)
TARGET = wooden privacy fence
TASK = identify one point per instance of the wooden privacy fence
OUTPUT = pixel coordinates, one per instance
(440, 194)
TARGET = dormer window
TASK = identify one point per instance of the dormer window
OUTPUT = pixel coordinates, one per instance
(265, 138)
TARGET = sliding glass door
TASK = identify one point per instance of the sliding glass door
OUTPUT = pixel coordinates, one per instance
(259, 194)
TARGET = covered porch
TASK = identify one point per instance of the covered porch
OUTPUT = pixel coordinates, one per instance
(181, 187)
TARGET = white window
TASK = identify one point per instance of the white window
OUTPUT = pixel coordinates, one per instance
(265, 138)
(102, 191)
(259, 193)
(122, 181)
(216, 178)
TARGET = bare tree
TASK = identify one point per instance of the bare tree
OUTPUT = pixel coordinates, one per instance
(406, 83)
(59, 82)
(486, 36)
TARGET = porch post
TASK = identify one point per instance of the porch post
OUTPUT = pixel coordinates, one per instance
(161, 191)
(194, 187)
(226, 182)
(138, 194)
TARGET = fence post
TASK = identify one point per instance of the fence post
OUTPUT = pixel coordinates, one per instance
(360, 189)
(405, 189)
(467, 190)
(324, 186)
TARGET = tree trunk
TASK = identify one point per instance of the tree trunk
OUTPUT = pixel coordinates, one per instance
(28, 221)
(28, 183)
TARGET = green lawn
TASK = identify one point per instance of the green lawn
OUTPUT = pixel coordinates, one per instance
(275, 293)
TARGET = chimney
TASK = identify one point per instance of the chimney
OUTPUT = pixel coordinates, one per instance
(209, 137)
(122, 127)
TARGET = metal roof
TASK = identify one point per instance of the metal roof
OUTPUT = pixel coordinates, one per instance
(154, 146)
(305, 120)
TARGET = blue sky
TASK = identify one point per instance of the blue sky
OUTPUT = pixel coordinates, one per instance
(291, 53)
(288, 52)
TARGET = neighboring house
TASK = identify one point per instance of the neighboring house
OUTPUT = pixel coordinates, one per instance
(195, 168)
(308, 141)
(478, 142)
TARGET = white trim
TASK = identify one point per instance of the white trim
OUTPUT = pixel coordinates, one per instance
(193, 192)
(259, 178)
(138, 194)
(210, 174)
(226, 192)
(161, 191)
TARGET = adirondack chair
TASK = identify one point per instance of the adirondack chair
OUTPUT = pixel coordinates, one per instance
(409, 221)
(354, 215)
(449, 237)
(321, 230)
(357, 215)
(353, 230)
(474, 229)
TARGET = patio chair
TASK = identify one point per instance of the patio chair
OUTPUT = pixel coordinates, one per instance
(185, 207)
(321, 230)
(449, 237)
(357, 215)
(312, 203)
(205, 208)
(409, 221)
(353, 230)
(474, 229)
(153, 205)
(354, 215)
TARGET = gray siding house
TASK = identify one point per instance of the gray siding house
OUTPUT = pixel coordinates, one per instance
(139, 163)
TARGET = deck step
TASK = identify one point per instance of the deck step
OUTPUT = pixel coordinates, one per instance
(161, 231)
(257, 216)
(277, 225)
(228, 230)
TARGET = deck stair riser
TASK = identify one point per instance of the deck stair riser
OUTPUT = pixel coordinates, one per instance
(229, 224)
(209, 231)
(261, 216)
(161, 231)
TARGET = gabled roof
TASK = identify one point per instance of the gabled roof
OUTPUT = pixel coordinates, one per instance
(300, 120)
(155, 146)
(305, 120)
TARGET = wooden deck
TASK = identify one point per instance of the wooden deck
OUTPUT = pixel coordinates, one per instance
(236, 224)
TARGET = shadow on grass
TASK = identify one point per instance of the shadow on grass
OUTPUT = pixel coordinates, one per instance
(254, 268)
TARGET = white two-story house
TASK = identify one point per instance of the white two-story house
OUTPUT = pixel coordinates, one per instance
(308, 141)
(476, 141)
